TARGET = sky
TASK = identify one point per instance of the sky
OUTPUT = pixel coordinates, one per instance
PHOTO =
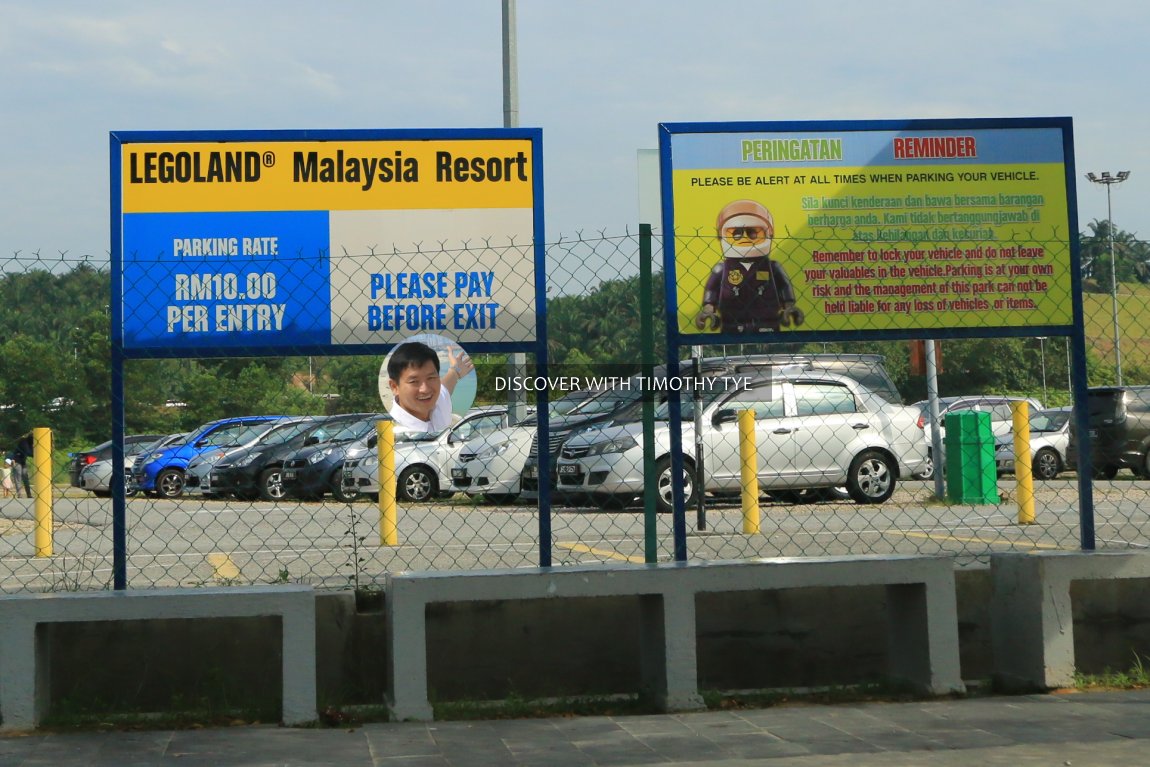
(597, 76)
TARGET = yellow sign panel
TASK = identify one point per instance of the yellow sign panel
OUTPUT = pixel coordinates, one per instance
(327, 175)
(870, 230)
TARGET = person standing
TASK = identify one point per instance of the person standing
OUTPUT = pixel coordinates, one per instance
(7, 489)
(20, 458)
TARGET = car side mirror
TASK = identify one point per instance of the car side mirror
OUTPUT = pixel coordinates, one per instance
(726, 415)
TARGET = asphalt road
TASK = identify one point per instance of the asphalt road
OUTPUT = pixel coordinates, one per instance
(336, 545)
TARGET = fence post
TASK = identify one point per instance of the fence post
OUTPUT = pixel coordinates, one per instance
(1020, 412)
(749, 471)
(42, 489)
(388, 522)
(647, 353)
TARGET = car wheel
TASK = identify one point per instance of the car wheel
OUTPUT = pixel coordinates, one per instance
(338, 491)
(871, 477)
(416, 483)
(272, 484)
(927, 470)
(664, 501)
(170, 483)
(1046, 464)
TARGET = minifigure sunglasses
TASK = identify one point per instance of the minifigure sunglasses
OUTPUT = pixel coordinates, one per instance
(754, 234)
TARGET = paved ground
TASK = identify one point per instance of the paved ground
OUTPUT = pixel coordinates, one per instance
(193, 542)
(1075, 730)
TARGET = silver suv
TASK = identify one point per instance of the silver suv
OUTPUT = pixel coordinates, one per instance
(813, 429)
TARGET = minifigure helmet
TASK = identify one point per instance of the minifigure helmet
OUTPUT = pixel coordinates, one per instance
(745, 229)
(745, 208)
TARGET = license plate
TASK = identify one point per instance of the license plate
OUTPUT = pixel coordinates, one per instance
(570, 470)
(289, 474)
(459, 473)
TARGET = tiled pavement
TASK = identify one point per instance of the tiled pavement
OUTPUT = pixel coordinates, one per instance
(1078, 730)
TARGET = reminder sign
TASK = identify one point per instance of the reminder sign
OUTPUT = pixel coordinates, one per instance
(241, 240)
(868, 226)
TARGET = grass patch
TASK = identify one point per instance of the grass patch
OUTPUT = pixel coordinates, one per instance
(517, 707)
(1137, 677)
(69, 720)
(867, 692)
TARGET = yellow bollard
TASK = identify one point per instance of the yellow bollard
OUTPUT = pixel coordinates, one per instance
(388, 518)
(42, 489)
(749, 472)
(1020, 412)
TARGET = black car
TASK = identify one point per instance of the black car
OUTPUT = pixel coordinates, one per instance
(103, 452)
(256, 471)
(1119, 431)
(311, 472)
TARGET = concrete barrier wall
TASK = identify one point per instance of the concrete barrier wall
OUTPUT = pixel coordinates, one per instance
(488, 650)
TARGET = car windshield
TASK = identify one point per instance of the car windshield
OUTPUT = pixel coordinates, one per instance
(1048, 421)
(402, 435)
(607, 402)
(285, 432)
(249, 433)
(163, 442)
(663, 409)
(354, 430)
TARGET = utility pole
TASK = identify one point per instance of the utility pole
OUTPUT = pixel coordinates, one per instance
(1109, 181)
(517, 363)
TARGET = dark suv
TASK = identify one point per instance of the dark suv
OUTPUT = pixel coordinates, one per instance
(1119, 430)
(314, 470)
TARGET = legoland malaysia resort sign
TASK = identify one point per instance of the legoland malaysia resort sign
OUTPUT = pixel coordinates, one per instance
(239, 240)
(868, 226)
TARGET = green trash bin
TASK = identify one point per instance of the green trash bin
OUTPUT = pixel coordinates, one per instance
(971, 474)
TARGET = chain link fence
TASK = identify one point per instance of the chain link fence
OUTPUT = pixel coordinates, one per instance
(280, 480)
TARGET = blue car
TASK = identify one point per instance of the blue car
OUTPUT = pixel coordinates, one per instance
(161, 473)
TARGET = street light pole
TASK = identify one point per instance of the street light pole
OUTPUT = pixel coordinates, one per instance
(1109, 181)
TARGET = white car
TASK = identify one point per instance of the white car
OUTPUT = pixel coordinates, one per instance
(813, 430)
(423, 462)
(492, 465)
(1049, 438)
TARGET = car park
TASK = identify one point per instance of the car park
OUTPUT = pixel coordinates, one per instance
(1000, 408)
(316, 470)
(253, 470)
(96, 476)
(161, 472)
(1049, 438)
(813, 429)
(1119, 418)
(423, 462)
(133, 444)
(624, 405)
(196, 475)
